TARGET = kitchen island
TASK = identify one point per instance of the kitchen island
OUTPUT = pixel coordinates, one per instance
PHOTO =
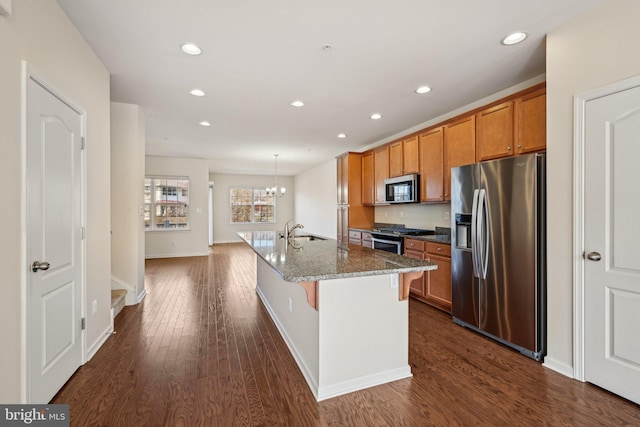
(342, 311)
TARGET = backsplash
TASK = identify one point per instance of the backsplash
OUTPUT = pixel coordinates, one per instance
(415, 215)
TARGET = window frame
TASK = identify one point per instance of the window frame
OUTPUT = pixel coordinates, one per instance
(253, 204)
(166, 192)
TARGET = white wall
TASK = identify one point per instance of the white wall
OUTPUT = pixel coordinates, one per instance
(39, 32)
(179, 243)
(223, 230)
(127, 199)
(591, 51)
(413, 215)
(315, 199)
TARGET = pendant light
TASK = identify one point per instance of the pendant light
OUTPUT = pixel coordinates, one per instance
(275, 191)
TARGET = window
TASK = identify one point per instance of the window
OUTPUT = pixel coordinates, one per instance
(251, 205)
(166, 203)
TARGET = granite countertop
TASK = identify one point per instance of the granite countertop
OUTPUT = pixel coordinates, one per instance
(307, 261)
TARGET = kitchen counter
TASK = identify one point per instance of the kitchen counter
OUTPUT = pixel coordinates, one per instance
(304, 261)
(343, 312)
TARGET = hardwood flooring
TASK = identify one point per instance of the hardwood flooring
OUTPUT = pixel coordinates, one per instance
(201, 350)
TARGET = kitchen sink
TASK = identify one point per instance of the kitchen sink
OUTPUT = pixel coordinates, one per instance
(307, 238)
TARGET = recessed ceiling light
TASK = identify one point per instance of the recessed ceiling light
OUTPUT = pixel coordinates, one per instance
(514, 38)
(342, 135)
(376, 116)
(297, 103)
(204, 123)
(197, 92)
(423, 89)
(191, 49)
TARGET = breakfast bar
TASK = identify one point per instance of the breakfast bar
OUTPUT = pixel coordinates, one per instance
(342, 310)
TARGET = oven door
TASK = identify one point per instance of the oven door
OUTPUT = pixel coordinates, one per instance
(386, 244)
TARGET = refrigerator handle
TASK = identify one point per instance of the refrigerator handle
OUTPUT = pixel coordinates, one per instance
(474, 234)
(483, 238)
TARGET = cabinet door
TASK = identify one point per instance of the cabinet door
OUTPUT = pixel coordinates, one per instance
(438, 286)
(381, 167)
(495, 132)
(416, 286)
(395, 159)
(459, 148)
(531, 122)
(342, 235)
(339, 161)
(431, 166)
(368, 183)
(410, 158)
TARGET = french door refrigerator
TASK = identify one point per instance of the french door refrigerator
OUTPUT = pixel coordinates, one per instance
(498, 257)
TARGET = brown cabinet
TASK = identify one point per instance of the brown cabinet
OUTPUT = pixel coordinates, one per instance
(403, 157)
(381, 172)
(351, 212)
(459, 148)
(431, 165)
(368, 182)
(531, 122)
(495, 133)
(433, 287)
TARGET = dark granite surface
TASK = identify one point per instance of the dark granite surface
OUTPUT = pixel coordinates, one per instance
(306, 261)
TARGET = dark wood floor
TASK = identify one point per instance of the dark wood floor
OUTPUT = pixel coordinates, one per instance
(201, 350)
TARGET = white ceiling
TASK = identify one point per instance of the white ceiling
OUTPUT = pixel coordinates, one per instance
(259, 56)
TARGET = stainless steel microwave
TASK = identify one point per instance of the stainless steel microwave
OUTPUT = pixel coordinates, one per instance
(402, 189)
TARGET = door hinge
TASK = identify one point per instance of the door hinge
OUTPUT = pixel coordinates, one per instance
(82, 233)
(82, 142)
(83, 325)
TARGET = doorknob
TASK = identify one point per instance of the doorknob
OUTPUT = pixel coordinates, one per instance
(37, 265)
(594, 256)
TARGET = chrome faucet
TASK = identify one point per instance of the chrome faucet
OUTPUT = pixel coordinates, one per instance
(288, 231)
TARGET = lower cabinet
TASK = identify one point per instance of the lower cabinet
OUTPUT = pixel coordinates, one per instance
(434, 286)
(362, 238)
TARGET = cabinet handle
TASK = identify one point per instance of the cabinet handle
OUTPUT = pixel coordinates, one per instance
(508, 148)
(439, 249)
(520, 146)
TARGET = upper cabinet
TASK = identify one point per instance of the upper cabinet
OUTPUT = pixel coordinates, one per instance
(403, 157)
(368, 182)
(381, 172)
(459, 148)
(510, 126)
(495, 132)
(431, 152)
(531, 122)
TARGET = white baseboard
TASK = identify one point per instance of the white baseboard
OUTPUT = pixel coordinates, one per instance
(361, 383)
(102, 338)
(559, 367)
(141, 296)
(183, 255)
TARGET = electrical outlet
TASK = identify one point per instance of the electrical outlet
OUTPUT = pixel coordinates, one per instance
(290, 306)
(401, 214)
(394, 281)
(446, 215)
(94, 307)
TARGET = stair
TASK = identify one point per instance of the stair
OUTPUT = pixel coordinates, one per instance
(117, 300)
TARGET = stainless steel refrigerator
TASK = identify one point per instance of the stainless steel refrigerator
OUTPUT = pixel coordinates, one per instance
(498, 256)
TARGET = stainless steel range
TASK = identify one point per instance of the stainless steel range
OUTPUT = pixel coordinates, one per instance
(391, 239)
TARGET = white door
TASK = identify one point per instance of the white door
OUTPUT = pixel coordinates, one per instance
(53, 239)
(612, 243)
